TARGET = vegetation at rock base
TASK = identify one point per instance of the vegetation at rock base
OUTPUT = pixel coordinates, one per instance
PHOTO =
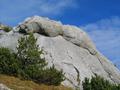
(9, 64)
(51, 76)
(18, 84)
(28, 64)
(99, 83)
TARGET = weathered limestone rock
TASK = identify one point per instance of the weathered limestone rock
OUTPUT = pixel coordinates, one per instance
(41, 25)
(67, 47)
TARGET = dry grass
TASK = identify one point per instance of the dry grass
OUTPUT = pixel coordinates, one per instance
(17, 84)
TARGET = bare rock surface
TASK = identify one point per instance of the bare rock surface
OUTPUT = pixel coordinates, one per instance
(67, 47)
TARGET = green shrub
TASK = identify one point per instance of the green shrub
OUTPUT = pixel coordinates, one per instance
(86, 84)
(9, 64)
(7, 29)
(29, 54)
(51, 76)
(99, 83)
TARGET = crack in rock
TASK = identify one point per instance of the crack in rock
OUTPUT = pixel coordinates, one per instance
(77, 71)
(108, 73)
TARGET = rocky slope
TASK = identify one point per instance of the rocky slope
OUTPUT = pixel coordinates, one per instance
(67, 47)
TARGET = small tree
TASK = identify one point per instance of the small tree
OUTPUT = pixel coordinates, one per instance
(33, 66)
(29, 54)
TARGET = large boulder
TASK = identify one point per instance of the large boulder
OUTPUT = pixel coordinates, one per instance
(52, 28)
(41, 25)
(67, 47)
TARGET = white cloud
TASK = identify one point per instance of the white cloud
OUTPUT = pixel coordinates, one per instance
(56, 7)
(44, 7)
(106, 35)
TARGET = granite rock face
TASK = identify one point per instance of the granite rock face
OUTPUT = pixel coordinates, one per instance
(52, 28)
(67, 47)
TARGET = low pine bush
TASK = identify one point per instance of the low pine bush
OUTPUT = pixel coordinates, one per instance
(9, 64)
(99, 83)
(51, 76)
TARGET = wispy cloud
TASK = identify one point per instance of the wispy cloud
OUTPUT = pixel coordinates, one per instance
(106, 34)
(56, 6)
(15, 9)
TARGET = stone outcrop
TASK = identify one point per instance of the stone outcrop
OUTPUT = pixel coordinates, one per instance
(52, 28)
(67, 47)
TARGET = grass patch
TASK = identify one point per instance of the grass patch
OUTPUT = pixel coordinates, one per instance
(17, 84)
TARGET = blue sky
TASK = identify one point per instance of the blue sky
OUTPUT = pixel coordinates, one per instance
(100, 18)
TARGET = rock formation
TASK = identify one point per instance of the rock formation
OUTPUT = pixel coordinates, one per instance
(67, 47)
